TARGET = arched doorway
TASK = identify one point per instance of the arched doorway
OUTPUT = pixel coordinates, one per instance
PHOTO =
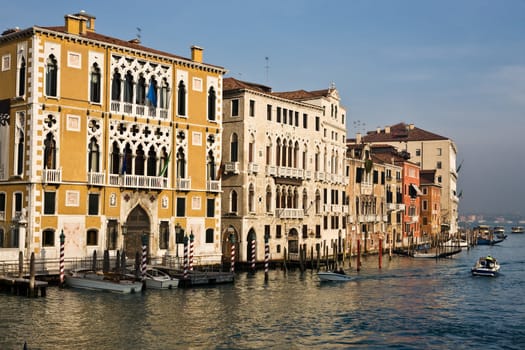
(251, 246)
(138, 224)
(230, 238)
(293, 243)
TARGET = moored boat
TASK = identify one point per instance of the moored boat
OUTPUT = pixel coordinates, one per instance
(157, 279)
(499, 232)
(486, 266)
(488, 240)
(517, 229)
(333, 276)
(93, 280)
(456, 243)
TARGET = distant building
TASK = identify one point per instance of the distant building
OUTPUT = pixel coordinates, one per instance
(283, 170)
(429, 151)
(105, 140)
(430, 206)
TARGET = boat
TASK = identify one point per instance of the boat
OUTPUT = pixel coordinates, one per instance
(95, 280)
(486, 266)
(333, 276)
(456, 243)
(499, 232)
(157, 279)
(517, 229)
(488, 240)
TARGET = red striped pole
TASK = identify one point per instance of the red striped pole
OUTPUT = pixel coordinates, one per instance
(253, 254)
(266, 257)
(232, 265)
(62, 240)
(144, 256)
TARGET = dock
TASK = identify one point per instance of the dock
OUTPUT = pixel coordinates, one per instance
(23, 286)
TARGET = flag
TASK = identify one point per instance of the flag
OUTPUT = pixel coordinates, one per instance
(220, 171)
(165, 167)
(152, 95)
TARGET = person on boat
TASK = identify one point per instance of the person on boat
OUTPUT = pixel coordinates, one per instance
(340, 271)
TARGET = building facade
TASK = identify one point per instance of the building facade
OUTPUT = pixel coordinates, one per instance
(429, 151)
(103, 139)
(283, 176)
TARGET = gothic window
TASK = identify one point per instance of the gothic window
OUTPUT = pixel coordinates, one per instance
(127, 159)
(51, 76)
(181, 164)
(49, 152)
(141, 90)
(234, 148)
(305, 200)
(181, 99)
(164, 160)
(22, 77)
(116, 85)
(268, 199)
(115, 158)
(19, 144)
(152, 162)
(211, 103)
(278, 153)
(94, 156)
(251, 199)
(95, 84)
(139, 161)
(152, 92)
(164, 94)
(128, 88)
(317, 202)
(211, 166)
(233, 201)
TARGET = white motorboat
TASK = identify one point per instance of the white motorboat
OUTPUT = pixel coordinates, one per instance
(157, 279)
(333, 276)
(486, 266)
(93, 280)
(456, 243)
(517, 229)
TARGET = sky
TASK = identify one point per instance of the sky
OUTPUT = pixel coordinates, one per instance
(452, 67)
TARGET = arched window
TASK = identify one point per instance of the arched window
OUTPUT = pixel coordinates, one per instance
(128, 88)
(211, 103)
(278, 153)
(115, 158)
(317, 202)
(251, 199)
(152, 162)
(305, 200)
(49, 152)
(139, 161)
(152, 92)
(181, 164)
(19, 143)
(127, 159)
(209, 235)
(141, 90)
(181, 98)
(95, 84)
(116, 85)
(234, 148)
(94, 156)
(92, 237)
(268, 199)
(164, 161)
(164, 94)
(212, 172)
(51, 76)
(233, 201)
(22, 77)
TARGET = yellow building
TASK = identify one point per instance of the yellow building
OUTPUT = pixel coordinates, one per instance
(106, 140)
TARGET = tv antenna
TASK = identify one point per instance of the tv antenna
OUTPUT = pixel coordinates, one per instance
(267, 67)
(139, 36)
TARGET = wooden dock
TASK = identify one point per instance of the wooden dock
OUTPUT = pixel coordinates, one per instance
(23, 286)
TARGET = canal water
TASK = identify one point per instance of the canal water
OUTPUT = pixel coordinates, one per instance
(407, 304)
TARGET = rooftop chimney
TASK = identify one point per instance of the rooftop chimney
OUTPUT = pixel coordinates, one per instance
(358, 138)
(196, 54)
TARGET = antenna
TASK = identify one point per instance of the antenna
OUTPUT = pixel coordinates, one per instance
(267, 67)
(138, 33)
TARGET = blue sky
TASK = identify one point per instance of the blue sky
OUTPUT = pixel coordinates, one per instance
(452, 67)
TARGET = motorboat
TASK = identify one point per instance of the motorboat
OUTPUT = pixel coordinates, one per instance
(486, 266)
(499, 232)
(157, 279)
(333, 276)
(95, 280)
(517, 229)
(488, 240)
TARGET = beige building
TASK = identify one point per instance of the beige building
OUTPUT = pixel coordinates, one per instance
(283, 170)
(429, 151)
(105, 140)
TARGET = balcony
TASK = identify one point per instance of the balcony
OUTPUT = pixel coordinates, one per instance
(183, 184)
(231, 167)
(138, 181)
(319, 176)
(51, 176)
(138, 110)
(271, 170)
(2, 215)
(253, 168)
(213, 186)
(289, 213)
(96, 179)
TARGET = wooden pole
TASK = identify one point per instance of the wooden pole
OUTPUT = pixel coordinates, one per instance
(20, 264)
(32, 275)
(358, 255)
(380, 251)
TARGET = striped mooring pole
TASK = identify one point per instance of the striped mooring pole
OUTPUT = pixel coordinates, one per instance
(266, 256)
(232, 258)
(192, 238)
(62, 264)
(185, 275)
(253, 254)
(144, 265)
